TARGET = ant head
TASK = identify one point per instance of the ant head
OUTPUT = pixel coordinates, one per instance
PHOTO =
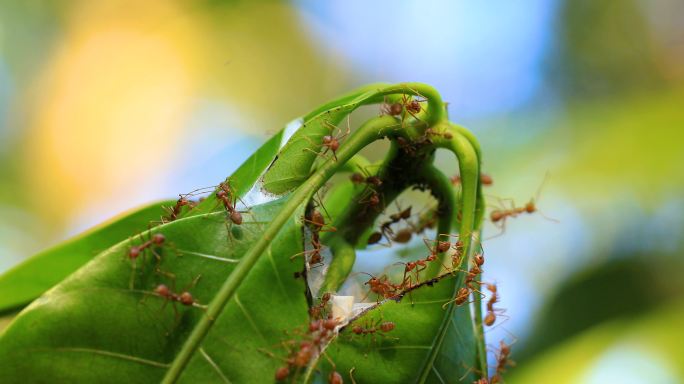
(134, 252)
(314, 325)
(413, 106)
(478, 258)
(236, 217)
(486, 179)
(329, 324)
(162, 290)
(158, 239)
(374, 199)
(530, 207)
(221, 193)
(357, 178)
(335, 378)
(410, 265)
(186, 298)
(282, 373)
(357, 329)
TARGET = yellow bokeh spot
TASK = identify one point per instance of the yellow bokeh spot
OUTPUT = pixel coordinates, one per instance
(112, 101)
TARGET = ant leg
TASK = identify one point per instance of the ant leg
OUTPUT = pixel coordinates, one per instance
(131, 282)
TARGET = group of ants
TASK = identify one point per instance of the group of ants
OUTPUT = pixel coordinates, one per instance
(322, 326)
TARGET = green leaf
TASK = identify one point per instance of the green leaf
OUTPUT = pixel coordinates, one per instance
(94, 328)
(414, 349)
(31, 278)
(298, 155)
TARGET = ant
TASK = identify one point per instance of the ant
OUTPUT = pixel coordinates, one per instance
(316, 259)
(394, 109)
(499, 216)
(412, 105)
(382, 286)
(365, 178)
(316, 223)
(185, 298)
(330, 142)
(224, 194)
(490, 317)
(316, 310)
(470, 281)
(176, 209)
(318, 334)
(372, 200)
(402, 237)
(502, 361)
(373, 327)
(485, 179)
(156, 240)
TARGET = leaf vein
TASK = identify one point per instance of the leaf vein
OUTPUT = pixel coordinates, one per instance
(108, 354)
(212, 257)
(248, 317)
(214, 365)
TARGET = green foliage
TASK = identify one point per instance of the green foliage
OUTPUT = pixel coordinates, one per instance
(113, 321)
(31, 278)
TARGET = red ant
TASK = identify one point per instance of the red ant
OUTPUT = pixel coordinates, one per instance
(318, 333)
(485, 179)
(371, 181)
(499, 216)
(155, 240)
(382, 286)
(372, 200)
(502, 361)
(185, 298)
(402, 237)
(224, 194)
(316, 259)
(176, 209)
(316, 310)
(470, 281)
(373, 327)
(330, 142)
(490, 317)
(411, 105)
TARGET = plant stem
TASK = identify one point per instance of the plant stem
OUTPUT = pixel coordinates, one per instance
(468, 162)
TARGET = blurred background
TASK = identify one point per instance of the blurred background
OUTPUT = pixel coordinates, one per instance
(111, 104)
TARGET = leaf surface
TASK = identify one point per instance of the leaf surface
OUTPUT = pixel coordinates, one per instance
(96, 327)
(31, 278)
